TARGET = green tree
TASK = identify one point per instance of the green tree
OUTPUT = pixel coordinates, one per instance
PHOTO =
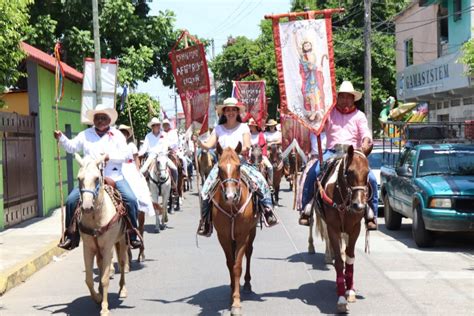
(142, 108)
(140, 41)
(467, 57)
(13, 24)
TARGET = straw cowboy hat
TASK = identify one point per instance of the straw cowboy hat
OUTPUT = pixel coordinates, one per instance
(123, 127)
(252, 122)
(154, 121)
(272, 122)
(230, 103)
(347, 87)
(166, 121)
(102, 109)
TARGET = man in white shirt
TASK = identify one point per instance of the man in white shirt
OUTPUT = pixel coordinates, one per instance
(95, 142)
(156, 143)
(173, 143)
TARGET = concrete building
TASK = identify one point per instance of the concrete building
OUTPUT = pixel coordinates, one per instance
(429, 37)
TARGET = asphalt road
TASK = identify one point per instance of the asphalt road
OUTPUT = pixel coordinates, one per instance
(179, 278)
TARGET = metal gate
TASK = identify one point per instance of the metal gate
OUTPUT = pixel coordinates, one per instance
(20, 189)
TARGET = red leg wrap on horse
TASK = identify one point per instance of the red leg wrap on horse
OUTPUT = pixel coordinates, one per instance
(341, 290)
(349, 276)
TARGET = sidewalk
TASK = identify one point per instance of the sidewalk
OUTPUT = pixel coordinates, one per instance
(28, 247)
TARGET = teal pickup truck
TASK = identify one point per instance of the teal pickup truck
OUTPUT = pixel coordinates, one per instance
(433, 184)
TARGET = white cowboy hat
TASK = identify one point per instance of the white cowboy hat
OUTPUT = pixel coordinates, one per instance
(347, 87)
(123, 127)
(166, 121)
(252, 122)
(271, 122)
(102, 109)
(154, 121)
(232, 103)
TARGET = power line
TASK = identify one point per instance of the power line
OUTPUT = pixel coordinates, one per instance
(224, 21)
(236, 20)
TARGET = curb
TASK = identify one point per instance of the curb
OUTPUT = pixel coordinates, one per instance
(20, 272)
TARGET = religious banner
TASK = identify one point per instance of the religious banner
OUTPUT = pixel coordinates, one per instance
(294, 133)
(192, 80)
(108, 78)
(252, 95)
(305, 65)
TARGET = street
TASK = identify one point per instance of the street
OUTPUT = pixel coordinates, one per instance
(179, 278)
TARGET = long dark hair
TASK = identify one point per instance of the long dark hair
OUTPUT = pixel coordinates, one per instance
(223, 119)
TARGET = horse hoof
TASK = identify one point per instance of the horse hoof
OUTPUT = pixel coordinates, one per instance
(351, 296)
(104, 313)
(311, 250)
(162, 227)
(247, 288)
(123, 293)
(342, 305)
(236, 311)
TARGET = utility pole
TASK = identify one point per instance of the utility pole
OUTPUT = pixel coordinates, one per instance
(95, 24)
(213, 75)
(367, 62)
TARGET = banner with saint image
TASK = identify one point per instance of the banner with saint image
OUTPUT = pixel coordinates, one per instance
(252, 95)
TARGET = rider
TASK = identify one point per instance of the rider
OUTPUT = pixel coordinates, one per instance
(346, 125)
(173, 143)
(94, 142)
(257, 138)
(229, 133)
(156, 143)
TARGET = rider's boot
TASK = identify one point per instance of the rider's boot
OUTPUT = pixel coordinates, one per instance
(70, 240)
(305, 215)
(205, 225)
(370, 220)
(269, 216)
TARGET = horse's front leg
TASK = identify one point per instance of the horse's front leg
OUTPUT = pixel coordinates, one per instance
(89, 265)
(248, 255)
(334, 238)
(104, 279)
(311, 249)
(141, 229)
(349, 265)
(237, 271)
(122, 260)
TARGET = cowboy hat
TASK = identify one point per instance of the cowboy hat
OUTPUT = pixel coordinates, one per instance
(102, 109)
(154, 121)
(230, 103)
(252, 122)
(123, 127)
(166, 121)
(347, 87)
(271, 122)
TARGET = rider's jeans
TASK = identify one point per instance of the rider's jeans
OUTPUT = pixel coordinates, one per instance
(127, 196)
(313, 172)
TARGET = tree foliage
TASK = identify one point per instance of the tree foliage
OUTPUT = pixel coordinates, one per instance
(142, 107)
(140, 41)
(467, 57)
(13, 24)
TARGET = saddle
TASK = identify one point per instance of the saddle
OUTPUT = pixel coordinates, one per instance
(327, 169)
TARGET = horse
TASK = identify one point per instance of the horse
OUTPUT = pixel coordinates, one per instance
(344, 193)
(234, 221)
(256, 159)
(276, 161)
(206, 162)
(295, 162)
(180, 182)
(102, 227)
(159, 182)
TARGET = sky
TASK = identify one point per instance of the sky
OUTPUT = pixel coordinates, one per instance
(215, 19)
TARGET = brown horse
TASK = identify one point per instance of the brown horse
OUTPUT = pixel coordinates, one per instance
(256, 159)
(181, 179)
(276, 161)
(295, 162)
(344, 201)
(206, 163)
(234, 220)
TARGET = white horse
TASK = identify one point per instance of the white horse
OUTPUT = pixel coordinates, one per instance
(159, 183)
(101, 228)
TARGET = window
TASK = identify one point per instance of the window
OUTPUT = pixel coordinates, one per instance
(467, 101)
(409, 52)
(446, 104)
(456, 102)
(457, 10)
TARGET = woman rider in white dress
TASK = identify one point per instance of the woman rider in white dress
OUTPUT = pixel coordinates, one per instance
(229, 133)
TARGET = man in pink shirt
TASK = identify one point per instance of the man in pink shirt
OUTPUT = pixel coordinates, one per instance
(346, 125)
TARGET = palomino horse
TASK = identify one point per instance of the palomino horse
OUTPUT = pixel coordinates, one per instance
(206, 162)
(102, 227)
(276, 161)
(159, 183)
(234, 220)
(344, 201)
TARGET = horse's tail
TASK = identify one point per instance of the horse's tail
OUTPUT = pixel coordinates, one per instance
(320, 226)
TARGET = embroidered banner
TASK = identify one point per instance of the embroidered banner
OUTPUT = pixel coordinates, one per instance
(292, 130)
(305, 65)
(192, 81)
(252, 94)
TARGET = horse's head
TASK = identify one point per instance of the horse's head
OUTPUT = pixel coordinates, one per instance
(256, 155)
(229, 172)
(356, 175)
(89, 177)
(162, 167)
(275, 154)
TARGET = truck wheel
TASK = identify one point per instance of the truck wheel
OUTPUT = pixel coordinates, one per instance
(423, 238)
(393, 220)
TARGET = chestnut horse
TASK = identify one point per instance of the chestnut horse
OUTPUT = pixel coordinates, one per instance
(344, 200)
(276, 161)
(234, 220)
(206, 162)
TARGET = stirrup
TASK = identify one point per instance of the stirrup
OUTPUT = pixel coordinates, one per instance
(304, 219)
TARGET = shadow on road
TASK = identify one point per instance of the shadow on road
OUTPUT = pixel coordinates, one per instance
(316, 260)
(83, 306)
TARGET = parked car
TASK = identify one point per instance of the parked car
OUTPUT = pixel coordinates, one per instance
(433, 184)
(378, 157)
